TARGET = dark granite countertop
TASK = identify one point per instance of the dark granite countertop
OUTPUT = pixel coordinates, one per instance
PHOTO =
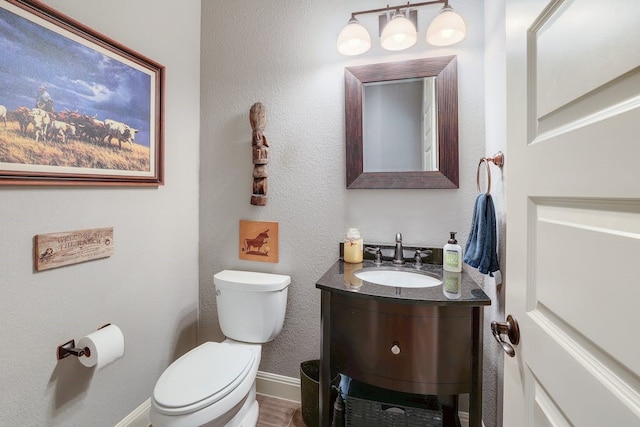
(457, 288)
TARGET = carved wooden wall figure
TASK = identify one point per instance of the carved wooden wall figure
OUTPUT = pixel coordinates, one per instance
(257, 118)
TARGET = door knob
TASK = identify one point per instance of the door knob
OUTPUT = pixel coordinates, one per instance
(509, 328)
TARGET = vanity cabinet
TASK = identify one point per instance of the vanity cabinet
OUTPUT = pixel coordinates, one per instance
(407, 340)
(404, 347)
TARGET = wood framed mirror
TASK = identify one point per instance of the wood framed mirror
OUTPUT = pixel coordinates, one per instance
(442, 74)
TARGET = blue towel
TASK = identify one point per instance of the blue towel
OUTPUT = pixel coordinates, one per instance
(480, 251)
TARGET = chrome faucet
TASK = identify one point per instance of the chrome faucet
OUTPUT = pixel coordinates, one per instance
(398, 257)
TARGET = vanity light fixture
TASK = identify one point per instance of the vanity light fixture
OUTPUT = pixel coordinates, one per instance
(447, 28)
(400, 32)
(354, 39)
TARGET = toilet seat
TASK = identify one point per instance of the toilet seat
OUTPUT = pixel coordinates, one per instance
(202, 376)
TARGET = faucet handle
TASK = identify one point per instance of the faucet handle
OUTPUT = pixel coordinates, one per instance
(418, 256)
(377, 253)
(398, 237)
(378, 260)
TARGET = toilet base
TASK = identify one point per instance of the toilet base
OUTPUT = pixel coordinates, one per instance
(245, 416)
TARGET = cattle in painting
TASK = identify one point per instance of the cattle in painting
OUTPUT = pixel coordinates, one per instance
(61, 126)
(258, 242)
(41, 121)
(3, 114)
(120, 131)
(60, 131)
(23, 116)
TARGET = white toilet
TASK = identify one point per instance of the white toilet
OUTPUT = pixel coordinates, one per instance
(214, 384)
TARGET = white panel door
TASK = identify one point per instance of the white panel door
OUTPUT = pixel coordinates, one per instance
(572, 170)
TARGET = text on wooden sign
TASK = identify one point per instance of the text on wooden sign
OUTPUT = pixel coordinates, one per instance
(58, 249)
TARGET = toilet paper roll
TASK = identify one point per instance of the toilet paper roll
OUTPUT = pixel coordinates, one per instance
(105, 345)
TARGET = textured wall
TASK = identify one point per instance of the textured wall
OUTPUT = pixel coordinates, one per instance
(149, 287)
(496, 128)
(283, 54)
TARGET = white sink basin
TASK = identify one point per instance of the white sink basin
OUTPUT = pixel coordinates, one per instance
(398, 278)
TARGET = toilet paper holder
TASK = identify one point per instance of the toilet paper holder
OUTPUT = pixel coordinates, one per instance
(69, 348)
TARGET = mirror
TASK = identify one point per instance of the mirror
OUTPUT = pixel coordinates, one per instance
(398, 126)
(424, 131)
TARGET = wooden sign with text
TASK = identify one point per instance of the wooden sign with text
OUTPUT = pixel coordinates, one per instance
(73, 247)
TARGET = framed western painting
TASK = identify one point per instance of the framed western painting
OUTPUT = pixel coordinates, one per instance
(76, 108)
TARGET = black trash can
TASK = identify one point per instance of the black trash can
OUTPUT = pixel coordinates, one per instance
(310, 391)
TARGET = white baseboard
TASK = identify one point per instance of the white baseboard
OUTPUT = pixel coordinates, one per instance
(278, 386)
(289, 388)
(464, 419)
(139, 417)
(266, 383)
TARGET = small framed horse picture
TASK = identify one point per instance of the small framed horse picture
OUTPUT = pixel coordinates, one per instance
(258, 241)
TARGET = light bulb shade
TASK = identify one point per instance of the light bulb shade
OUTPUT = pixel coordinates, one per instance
(399, 33)
(354, 39)
(447, 28)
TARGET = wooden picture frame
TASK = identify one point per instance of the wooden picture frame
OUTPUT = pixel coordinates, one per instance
(76, 107)
(258, 241)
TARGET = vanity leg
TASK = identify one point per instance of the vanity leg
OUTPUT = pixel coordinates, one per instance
(324, 410)
(475, 397)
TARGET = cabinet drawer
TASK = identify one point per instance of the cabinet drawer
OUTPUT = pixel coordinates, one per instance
(403, 347)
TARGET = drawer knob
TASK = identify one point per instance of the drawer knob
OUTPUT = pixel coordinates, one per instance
(395, 349)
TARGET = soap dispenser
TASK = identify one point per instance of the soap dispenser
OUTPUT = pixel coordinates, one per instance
(452, 254)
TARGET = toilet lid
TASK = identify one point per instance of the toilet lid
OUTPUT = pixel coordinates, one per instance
(202, 376)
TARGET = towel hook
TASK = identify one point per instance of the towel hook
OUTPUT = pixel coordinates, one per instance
(497, 160)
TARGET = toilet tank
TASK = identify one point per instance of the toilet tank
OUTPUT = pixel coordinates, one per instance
(251, 305)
